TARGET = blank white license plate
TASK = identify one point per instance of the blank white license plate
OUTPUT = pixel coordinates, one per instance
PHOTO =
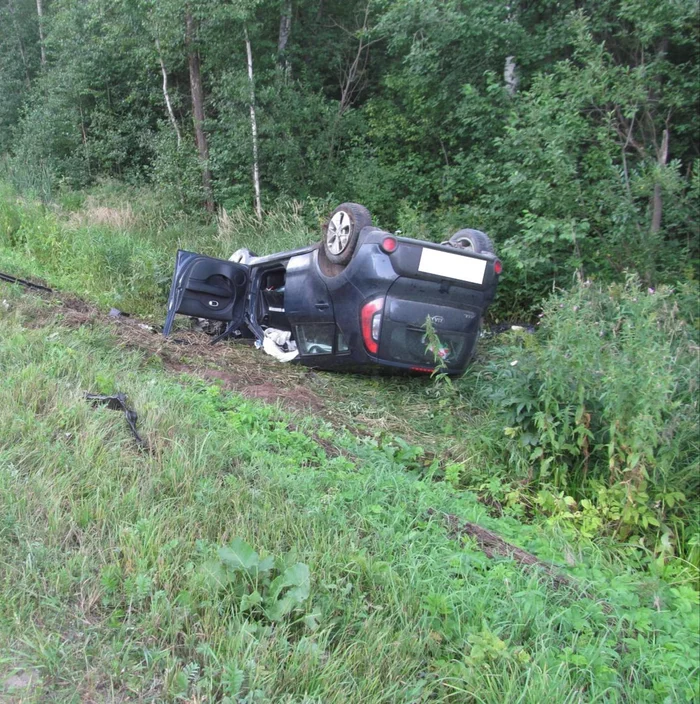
(452, 266)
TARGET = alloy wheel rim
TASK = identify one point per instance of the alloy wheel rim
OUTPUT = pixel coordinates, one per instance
(338, 233)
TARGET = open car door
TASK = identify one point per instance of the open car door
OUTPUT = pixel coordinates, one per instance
(204, 287)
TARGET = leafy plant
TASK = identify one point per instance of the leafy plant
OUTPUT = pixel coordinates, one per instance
(262, 588)
(602, 402)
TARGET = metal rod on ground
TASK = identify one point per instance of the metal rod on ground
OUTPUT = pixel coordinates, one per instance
(27, 284)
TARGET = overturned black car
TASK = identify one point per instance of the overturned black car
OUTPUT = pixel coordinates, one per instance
(363, 297)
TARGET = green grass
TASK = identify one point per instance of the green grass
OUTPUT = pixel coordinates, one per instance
(104, 594)
(102, 546)
(117, 246)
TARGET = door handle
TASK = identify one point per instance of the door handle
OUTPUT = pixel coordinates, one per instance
(322, 305)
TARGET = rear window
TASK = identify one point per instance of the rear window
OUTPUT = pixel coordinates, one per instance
(412, 346)
(315, 338)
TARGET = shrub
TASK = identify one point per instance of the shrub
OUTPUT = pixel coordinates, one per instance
(601, 403)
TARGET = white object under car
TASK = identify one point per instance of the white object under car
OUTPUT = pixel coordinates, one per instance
(279, 344)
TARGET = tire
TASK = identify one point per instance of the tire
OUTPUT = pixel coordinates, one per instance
(341, 231)
(474, 240)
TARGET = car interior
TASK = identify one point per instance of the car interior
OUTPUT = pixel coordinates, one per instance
(271, 312)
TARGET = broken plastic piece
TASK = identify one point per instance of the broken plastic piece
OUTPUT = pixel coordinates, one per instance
(116, 313)
(117, 402)
(23, 282)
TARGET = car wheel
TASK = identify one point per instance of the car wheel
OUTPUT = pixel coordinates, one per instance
(341, 231)
(474, 240)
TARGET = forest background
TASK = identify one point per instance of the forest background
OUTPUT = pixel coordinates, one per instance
(567, 130)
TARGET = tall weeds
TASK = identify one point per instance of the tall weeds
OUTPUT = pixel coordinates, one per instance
(602, 403)
(118, 245)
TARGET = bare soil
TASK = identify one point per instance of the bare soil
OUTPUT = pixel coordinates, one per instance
(18, 686)
(236, 365)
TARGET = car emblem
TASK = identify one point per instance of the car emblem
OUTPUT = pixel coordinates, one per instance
(437, 319)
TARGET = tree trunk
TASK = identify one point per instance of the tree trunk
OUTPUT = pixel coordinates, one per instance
(656, 199)
(352, 76)
(283, 39)
(510, 76)
(22, 53)
(24, 62)
(661, 151)
(166, 95)
(253, 128)
(83, 132)
(40, 13)
(198, 110)
(510, 68)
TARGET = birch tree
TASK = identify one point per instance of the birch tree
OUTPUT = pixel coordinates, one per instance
(40, 15)
(166, 94)
(253, 126)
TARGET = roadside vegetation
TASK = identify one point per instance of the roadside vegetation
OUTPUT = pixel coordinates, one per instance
(600, 406)
(261, 556)
(253, 556)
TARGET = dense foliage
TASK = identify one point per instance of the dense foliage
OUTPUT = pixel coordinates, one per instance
(599, 411)
(566, 130)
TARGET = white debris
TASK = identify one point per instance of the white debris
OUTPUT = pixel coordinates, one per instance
(279, 344)
(241, 256)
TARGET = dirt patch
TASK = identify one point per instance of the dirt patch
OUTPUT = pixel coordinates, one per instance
(235, 365)
(297, 397)
(18, 686)
(77, 305)
(238, 378)
(72, 313)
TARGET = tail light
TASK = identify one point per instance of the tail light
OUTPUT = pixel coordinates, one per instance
(497, 266)
(389, 244)
(371, 323)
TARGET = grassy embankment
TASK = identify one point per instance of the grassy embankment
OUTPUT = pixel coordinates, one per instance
(113, 584)
(118, 248)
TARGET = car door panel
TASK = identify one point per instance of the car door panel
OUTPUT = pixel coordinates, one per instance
(205, 287)
(309, 307)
